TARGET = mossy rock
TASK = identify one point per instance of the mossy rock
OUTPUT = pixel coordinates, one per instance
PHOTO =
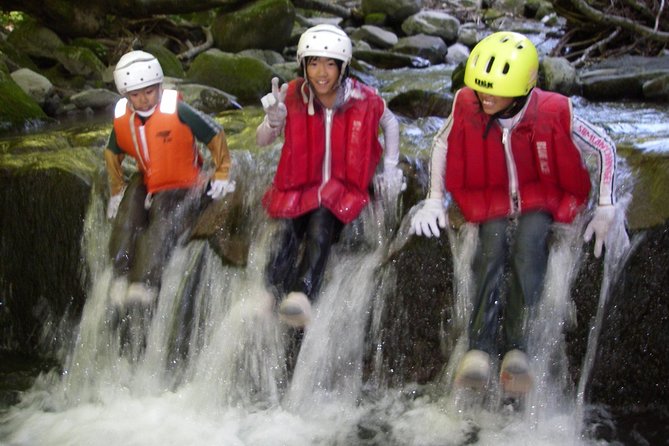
(35, 40)
(18, 109)
(80, 61)
(247, 78)
(96, 47)
(171, 65)
(264, 24)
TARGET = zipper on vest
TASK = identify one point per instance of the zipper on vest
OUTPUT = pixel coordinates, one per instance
(327, 159)
(514, 199)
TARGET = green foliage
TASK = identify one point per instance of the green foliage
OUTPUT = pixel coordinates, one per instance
(8, 20)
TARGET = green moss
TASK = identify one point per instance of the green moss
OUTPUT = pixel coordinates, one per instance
(18, 109)
(246, 78)
(80, 61)
(168, 60)
(376, 18)
(96, 47)
(274, 17)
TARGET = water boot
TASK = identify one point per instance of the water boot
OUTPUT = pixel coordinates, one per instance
(295, 310)
(514, 375)
(473, 371)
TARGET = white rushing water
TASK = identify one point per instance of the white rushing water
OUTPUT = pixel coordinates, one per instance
(225, 379)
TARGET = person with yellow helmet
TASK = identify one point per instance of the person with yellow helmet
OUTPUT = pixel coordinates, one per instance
(510, 156)
(156, 128)
(330, 125)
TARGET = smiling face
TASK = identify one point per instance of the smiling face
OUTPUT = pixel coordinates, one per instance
(492, 104)
(145, 98)
(323, 76)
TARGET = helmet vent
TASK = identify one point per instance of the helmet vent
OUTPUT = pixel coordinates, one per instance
(488, 67)
(506, 68)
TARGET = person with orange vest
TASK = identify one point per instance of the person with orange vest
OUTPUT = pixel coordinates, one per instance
(159, 131)
(330, 153)
(511, 157)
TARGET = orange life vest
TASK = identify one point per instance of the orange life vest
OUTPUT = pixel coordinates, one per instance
(163, 146)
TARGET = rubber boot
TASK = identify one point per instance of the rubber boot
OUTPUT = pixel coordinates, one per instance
(474, 370)
(295, 310)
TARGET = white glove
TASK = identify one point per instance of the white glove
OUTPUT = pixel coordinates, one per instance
(273, 104)
(114, 203)
(600, 226)
(220, 188)
(393, 180)
(429, 218)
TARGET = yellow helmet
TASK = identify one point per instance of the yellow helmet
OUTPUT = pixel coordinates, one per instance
(503, 64)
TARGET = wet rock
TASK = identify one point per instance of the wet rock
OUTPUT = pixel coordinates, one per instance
(211, 100)
(558, 75)
(420, 103)
(245, 77)
(80, 61)
(457, 53)
(427, 47)
(657, 89)
(272, 21)
(622, 78)
(169, 62)
(631, 368)
(95, 98)
(37, 86)
(270, 57)
(222, 224)
(388, 59)
(375, 36)
(432, 23)
(35, 40)
(396, 11)
(18, 108)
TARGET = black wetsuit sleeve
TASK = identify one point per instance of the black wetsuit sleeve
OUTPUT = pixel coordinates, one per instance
(202, 125)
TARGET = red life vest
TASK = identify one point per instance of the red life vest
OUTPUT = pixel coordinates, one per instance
(163, 146)
(354, 154)
(551, 173)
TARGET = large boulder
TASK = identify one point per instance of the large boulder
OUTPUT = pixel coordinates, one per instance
(622, 78)
(37, 86)
(559, 75)
(80, 61)
(247, 78)
(432, 48)
(433, 23)
(396, 11)
(35, 40)
(169, 62)
(18, 108)
(264, 24)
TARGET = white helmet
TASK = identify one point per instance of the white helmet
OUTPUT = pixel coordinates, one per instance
(325, 41)
(135, 70)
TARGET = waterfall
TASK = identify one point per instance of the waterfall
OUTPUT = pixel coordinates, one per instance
(614, 260)
(214, 365)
